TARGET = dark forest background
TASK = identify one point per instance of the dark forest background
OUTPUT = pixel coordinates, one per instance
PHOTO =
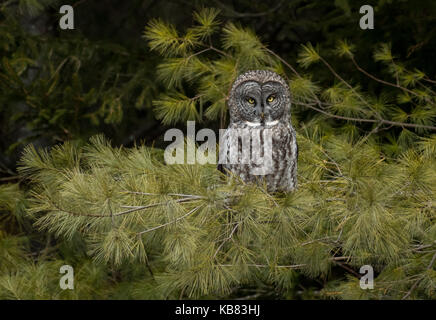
(108, 77)
(111, 60)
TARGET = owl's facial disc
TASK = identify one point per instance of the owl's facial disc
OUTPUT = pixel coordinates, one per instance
(273, 100)
(260, 102)
(249, 100)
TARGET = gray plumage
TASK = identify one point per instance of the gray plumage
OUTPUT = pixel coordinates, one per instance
(260, 100)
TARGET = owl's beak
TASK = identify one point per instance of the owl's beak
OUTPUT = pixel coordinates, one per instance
(262, 115)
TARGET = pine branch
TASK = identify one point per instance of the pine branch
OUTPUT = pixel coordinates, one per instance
(347, 84)
(381, 121)
(171, 222)
(138, 208)
(226, 239)
(320, 104)
(295, 266)
(344, 266)
(430, 265)
(133, 208)
(395, 85)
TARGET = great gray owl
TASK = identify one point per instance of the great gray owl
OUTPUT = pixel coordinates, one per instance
(259, 105)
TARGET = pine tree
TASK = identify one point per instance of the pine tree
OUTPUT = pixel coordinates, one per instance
(135, 227)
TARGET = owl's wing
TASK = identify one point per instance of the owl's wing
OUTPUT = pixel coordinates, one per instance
(294, 159)
(296, 153)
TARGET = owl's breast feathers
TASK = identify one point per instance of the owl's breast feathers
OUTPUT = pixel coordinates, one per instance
(282, 175)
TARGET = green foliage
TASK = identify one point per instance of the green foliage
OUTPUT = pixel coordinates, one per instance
(201, 235)
(195, 64)
(308, 55)
(198, 75)
(136, 228)
(59, 87)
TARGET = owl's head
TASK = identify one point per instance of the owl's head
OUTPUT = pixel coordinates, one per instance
(259, 97)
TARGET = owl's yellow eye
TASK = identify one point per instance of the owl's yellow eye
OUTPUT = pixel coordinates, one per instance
(250, 100)
(271, 98)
